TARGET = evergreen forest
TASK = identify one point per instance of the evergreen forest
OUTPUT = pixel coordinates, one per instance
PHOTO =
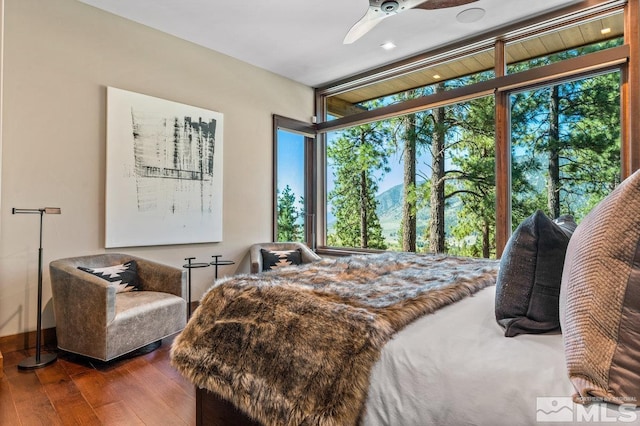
(565, 157)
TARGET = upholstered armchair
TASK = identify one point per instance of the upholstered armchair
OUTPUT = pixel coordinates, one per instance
(255, 255)
(94, 320)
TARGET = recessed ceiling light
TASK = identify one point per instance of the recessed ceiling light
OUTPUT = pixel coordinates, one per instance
(605, 31)
(437, 76)
(388, 45)
(468, 16)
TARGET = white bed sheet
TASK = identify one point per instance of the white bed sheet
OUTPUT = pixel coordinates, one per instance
(455, 367)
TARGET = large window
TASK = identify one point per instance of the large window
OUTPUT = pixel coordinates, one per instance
(565, 146)
(418, 182)
(533, 118)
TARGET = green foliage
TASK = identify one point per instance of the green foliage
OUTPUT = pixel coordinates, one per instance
(472, 179)
(588, 145)
(290, 227)
(356, 155)
(411, 136)
(587, 142)
(577, 122)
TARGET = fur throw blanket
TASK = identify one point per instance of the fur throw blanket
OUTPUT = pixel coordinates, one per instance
(295, 346)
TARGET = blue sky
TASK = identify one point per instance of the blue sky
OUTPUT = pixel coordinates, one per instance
(291, 162)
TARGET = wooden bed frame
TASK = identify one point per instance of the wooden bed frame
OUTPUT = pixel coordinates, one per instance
(211, 410)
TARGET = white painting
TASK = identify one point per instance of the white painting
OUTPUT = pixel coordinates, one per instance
(164, 172)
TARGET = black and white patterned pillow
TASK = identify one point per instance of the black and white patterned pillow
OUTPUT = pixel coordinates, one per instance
(124, 276)
(274, 259)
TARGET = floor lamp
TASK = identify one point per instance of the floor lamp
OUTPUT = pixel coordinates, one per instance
(39, 360)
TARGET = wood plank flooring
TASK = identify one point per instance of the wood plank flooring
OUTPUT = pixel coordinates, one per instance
(140, 390)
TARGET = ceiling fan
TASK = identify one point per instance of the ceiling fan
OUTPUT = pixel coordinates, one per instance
(381, 9)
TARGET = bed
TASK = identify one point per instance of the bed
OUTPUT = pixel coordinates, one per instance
(405, 339)
(453, 366)
(474, 376)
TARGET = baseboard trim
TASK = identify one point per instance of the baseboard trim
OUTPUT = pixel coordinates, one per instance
(27, 340)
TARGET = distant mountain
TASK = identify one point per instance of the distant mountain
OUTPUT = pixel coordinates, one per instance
(389, 212)
(390, 203)
(390, 215)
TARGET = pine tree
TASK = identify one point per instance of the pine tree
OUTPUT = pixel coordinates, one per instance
(472, 178)
(570, 134)
(289, 227)
(438, 178)
(411, 135)
(356, 156)
(573, 140)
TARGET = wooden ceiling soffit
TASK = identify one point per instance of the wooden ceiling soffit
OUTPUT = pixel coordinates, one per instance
(346, 103)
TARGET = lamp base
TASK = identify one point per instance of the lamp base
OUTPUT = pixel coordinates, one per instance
(31, 363)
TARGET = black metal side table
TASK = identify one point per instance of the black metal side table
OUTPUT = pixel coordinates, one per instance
(219, 262)
(193, 265)
(189, 265)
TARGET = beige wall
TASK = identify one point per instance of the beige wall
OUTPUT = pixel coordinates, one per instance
(59, 57)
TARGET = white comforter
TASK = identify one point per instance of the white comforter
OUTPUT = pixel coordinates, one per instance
(455, 367)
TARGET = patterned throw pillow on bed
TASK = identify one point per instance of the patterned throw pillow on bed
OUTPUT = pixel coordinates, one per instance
(124, 277)
(274, 259)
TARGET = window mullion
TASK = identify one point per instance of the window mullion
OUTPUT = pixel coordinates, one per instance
(503, 155)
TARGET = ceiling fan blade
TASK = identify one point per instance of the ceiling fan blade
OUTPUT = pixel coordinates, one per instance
(372, 18)
(381, 9)
(441, 4)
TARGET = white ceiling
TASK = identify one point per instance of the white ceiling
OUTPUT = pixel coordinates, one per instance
(302, 39)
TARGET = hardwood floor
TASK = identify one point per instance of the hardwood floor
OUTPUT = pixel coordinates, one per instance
(141, 390)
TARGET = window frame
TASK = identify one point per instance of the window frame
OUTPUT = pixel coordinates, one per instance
(624, 58)
(309, 132)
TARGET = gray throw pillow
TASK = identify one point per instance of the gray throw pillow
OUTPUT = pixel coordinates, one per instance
(600, 299)
(528, 284)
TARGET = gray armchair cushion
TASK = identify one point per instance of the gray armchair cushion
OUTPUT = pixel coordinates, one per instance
(95, 321)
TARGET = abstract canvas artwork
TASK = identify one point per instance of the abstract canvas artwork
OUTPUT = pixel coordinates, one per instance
(164, 172)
